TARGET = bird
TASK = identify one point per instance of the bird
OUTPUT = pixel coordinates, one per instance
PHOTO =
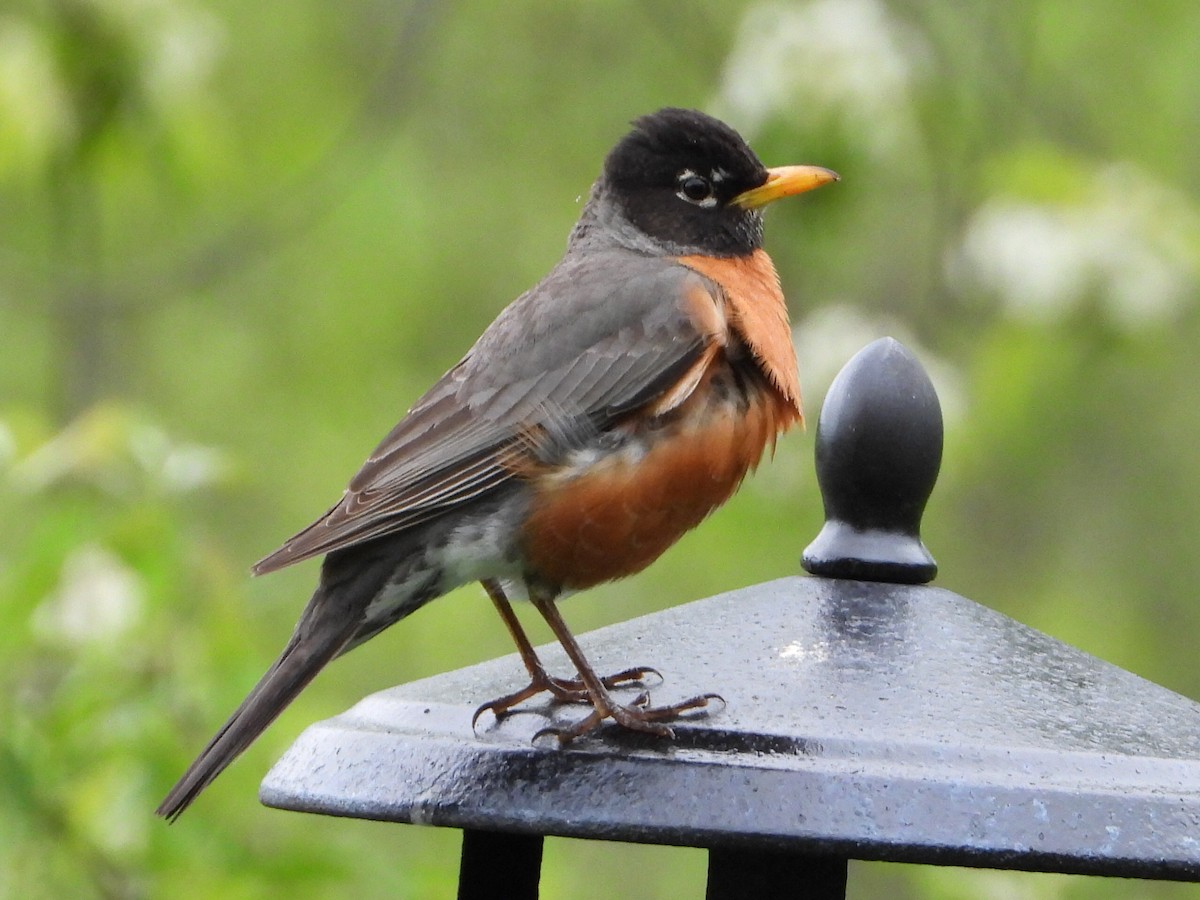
(604, 413)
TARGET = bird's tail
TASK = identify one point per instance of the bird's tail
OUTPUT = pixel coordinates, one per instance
(309, 650)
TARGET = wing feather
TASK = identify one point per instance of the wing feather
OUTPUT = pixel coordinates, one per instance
(546, 362)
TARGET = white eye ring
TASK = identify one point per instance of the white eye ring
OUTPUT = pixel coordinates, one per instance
(695, 189)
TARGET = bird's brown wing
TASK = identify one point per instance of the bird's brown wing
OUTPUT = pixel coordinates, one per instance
(575, 354)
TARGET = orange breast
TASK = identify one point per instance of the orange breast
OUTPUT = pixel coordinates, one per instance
(757, 313)
(615, 515)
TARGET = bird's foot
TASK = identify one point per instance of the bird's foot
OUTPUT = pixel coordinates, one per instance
(636, 716)
(564, 690)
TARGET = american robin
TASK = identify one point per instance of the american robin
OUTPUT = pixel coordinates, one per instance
(603, 414)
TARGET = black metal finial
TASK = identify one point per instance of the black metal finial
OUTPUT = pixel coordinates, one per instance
(879, 447)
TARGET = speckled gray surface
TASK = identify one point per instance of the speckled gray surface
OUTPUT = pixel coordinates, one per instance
(872, 720)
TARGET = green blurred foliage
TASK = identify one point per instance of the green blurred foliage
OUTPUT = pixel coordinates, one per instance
(237, 240)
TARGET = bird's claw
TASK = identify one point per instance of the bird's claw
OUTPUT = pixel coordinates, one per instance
(636, 716)
(565, 690)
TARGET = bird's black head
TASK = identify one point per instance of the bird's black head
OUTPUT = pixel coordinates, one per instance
(676, 175)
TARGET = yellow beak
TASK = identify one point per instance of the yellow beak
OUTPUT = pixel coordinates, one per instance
(784, 181)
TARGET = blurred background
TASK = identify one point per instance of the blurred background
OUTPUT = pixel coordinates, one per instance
(237, 240)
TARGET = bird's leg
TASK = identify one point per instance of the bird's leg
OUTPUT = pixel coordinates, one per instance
(565, 690)
(637, 716)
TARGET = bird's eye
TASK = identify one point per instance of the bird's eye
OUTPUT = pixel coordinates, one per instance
(695, 189)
